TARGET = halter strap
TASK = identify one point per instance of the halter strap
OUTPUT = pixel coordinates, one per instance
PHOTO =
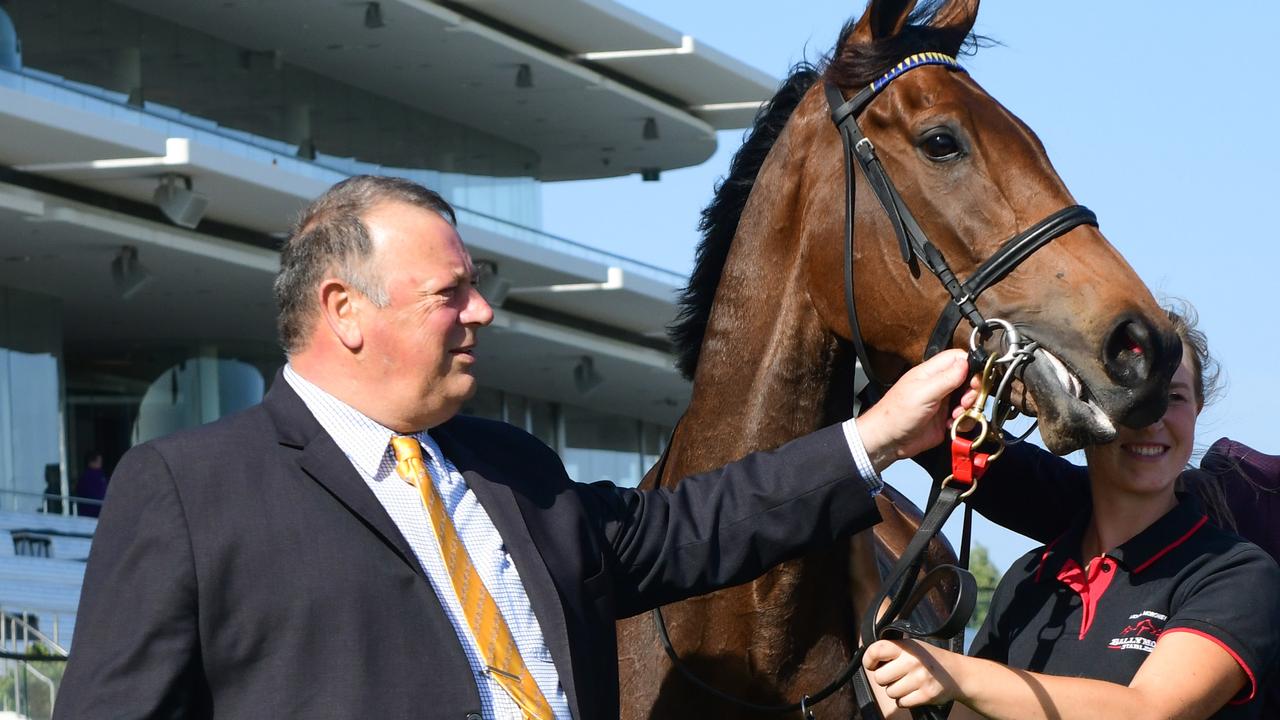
(913, 244)
(1009, 256)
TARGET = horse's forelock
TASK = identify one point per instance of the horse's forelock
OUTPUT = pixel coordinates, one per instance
(850, 65)
(855, 64)
(720, 218)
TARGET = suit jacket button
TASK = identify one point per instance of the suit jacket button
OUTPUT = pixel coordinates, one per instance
(473, 716)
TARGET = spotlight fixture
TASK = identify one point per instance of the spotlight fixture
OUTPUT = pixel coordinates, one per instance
(10, 44)
(524, 76)
(128, 273)
(650, 131)
(175, 198)
(585, 376)
(492, 286)
(373, 15)
(650, 174)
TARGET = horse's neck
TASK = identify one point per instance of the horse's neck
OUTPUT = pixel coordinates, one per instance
(769, 379)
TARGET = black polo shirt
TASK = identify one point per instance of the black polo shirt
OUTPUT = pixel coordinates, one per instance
(1055, 613)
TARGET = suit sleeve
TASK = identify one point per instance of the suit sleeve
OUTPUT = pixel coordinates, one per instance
(728, 526)
(135, 652)
(1028, 489)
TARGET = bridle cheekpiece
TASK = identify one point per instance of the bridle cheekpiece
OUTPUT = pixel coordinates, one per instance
(913, 244)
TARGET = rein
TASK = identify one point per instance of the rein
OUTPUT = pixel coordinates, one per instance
(901, 590)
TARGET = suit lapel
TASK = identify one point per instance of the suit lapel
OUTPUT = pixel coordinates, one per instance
(505, 511)
(327, 465)
(324, 461)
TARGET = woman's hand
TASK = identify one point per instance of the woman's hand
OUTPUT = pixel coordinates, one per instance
(912, 673)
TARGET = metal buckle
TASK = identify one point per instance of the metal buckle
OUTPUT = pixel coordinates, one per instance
(1010, 332)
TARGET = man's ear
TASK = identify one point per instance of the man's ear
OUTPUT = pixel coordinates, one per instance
(341, 313)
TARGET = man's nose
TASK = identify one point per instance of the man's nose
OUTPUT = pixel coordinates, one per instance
(478, 310)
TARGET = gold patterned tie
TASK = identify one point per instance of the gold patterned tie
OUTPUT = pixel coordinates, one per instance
(497, 646)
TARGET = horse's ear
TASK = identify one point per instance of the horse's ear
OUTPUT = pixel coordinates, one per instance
(882, 19)
(957, 15)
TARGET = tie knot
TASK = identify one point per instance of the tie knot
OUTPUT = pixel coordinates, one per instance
(409, 463)
(406, 447)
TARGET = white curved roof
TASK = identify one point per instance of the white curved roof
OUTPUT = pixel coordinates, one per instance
(599, 71)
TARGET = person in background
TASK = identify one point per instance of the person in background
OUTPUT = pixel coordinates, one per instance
(1250, 484)
(91, 486)
(1141, 608)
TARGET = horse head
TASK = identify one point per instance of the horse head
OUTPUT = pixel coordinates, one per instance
(973, 175)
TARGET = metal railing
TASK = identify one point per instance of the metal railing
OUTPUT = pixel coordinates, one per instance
(50, 503)
(31, 665)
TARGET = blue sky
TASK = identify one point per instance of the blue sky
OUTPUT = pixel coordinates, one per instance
(1163, 118)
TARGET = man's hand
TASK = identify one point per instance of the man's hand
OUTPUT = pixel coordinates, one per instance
(914, 415)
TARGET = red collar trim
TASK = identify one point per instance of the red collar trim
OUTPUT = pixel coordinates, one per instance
(1199, 524)
(1044, 556)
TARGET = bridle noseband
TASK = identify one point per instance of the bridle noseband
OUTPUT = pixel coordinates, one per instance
(913, 244)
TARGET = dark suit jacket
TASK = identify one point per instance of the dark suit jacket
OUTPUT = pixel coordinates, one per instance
(245, 570)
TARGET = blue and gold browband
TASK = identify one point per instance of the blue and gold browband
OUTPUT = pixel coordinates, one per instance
(913, 61)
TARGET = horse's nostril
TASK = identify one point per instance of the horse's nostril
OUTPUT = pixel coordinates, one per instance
(1127, 354)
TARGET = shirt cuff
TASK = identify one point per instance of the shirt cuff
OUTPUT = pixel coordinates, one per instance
(866, 471)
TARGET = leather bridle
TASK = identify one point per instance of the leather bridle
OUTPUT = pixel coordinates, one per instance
(901, 589)
(913, 244)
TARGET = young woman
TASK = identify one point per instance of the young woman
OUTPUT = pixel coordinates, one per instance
(1141, 609)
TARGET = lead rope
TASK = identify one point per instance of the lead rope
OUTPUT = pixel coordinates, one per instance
(901, 588)
(970, 458)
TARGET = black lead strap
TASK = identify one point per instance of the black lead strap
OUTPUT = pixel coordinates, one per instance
(904, 594)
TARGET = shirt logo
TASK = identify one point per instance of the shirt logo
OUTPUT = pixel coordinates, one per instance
(1141, 633)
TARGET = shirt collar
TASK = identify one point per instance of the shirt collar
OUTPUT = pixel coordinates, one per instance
(1139, 552)
(363, 440)
(1171, 530)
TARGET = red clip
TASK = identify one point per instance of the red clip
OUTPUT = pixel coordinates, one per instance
(966, 464)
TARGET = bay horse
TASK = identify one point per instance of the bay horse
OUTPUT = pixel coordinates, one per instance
(765, 337)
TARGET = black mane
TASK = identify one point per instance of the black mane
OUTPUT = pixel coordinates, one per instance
(851, 65)
(720, 219)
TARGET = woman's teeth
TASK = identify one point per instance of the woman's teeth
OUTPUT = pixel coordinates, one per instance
(1146, 450)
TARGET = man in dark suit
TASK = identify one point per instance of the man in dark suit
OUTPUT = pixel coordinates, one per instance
(350, 548)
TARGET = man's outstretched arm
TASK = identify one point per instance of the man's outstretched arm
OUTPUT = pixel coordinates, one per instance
(729, 525)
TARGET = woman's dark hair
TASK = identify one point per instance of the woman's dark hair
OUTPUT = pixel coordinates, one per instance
(1205, 369)
(1205, 376)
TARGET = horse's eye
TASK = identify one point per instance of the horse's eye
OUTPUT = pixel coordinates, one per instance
(940, 145)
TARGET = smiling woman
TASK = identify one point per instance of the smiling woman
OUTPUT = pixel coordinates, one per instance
(1141, 591)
